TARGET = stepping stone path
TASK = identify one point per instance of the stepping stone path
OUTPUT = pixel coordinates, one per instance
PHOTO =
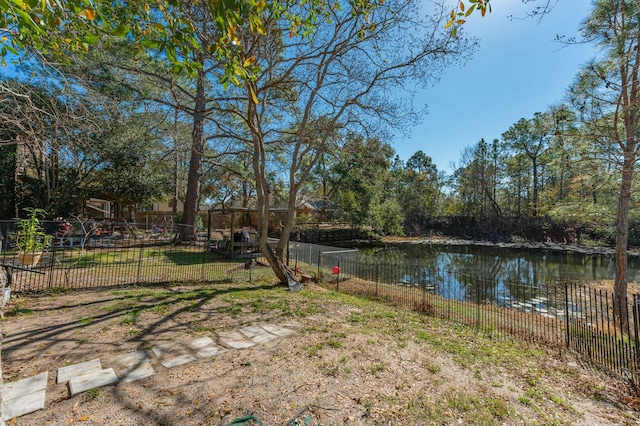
(132, 366)
(172, 354)
(24, 396)
(28, 395)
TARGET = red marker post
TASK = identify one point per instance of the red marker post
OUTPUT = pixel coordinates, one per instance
(336, 272)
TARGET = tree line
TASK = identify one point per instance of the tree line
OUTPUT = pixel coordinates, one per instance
(209, 102)
(195, 101)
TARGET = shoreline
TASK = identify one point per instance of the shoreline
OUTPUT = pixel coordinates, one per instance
(525, 245)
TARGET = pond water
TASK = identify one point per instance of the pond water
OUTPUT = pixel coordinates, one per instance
(546, 281)
(535, 280)
(523, 265)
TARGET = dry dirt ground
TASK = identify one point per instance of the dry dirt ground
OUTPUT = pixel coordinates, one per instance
(349, 361)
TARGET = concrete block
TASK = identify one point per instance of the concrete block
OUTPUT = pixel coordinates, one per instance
(127, 360)
(22, 405)
(166, 350)
(277, 330)
(93, 379)
(66, 373)
(258, 334)
(235, 340)
(137, 372)
(131, 366)
(239, 344)
(209, 351)
(201, 342)
(179, 360)
(264, 338)
(25, 386)
(252, 331)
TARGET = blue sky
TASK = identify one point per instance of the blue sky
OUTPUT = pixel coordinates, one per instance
(518, 70)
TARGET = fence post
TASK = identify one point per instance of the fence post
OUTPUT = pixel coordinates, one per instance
(51, 267)
(423, 284)
(140, 263)
(477, 303)
(636, 327)
(566, 314)
(376, 280)
(203, 260)
(319, 263)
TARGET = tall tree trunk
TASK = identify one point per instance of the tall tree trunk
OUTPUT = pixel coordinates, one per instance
(4, 282)
(628, 101)
(259, 163)
(620, 287)
(262, 192)
(287, 227)
(192, 198)
(176, 163)
(534, 163)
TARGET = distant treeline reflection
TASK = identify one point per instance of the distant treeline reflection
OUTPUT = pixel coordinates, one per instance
(428, 264)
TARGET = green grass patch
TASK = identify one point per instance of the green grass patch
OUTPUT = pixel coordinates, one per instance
(197, 327)
(231, 310)
(131, 318)
(21, 311)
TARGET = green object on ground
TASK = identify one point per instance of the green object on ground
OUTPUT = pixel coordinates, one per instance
(246, 420)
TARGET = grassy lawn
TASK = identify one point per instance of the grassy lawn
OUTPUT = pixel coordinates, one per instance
(351, 360)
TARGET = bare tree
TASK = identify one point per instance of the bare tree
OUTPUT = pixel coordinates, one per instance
(49, 132)
(354, 73)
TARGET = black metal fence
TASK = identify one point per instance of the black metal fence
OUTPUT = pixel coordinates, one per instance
(564, 315)
(316, 235)
(108, 254)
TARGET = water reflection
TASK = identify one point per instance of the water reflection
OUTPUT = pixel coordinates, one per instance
(523, 279)
(507, 264)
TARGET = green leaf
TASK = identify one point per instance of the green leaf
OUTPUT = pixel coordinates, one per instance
(121, 31)
(27, 20)
(470, 11)
(171, 53)
(224, 80)
(90, 39)
(150, 44)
